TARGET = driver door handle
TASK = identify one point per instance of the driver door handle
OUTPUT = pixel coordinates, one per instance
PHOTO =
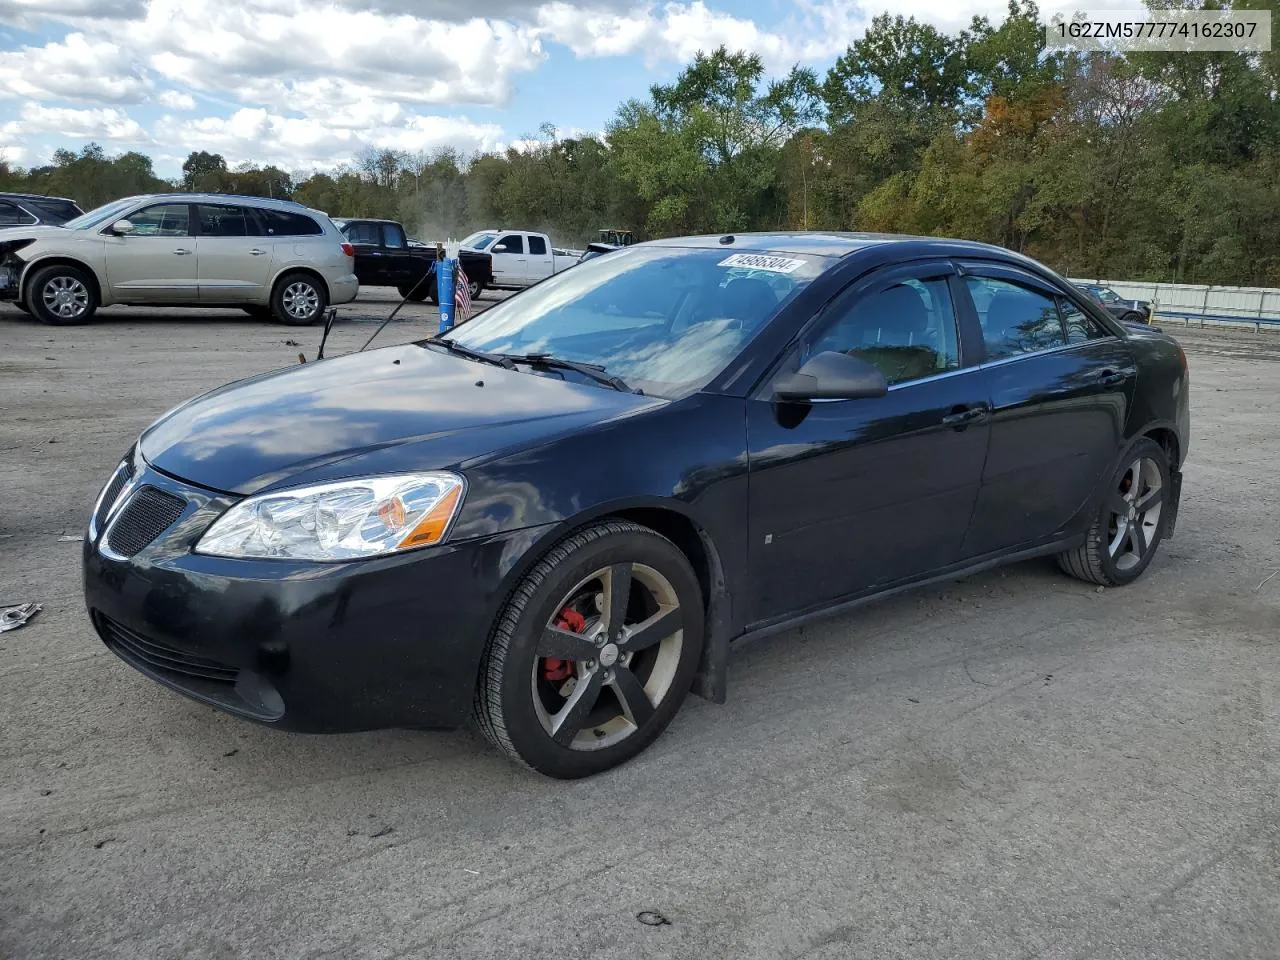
(256, 252)
(181, 252)
(1109, 378)
(961, 417)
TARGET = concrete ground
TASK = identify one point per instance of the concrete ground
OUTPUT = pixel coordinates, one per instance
(1017, 765)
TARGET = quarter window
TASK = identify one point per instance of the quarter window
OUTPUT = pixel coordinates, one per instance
(513, 242)
(1080, 326)
(162, 220)
(537, 246)
(1014, 318)
(219, 221)
(908, 330)
(282, 224)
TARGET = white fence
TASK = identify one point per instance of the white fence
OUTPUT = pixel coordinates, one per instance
(1257, 306)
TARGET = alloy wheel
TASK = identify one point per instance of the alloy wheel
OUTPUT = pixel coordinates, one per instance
(608, 656)
(301, 300)
(1135, 507)
(65, 297)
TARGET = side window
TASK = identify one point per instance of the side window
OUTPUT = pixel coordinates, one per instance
(279, 223)
(908, 330)
(363, 233)
(393, 235)
(1080, 326)
(219, 221)
(513, 242)
(537, 245)
(12, 215)
(1014, 319)
(162, 220)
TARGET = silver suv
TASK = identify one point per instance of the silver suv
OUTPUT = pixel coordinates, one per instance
(268, 257)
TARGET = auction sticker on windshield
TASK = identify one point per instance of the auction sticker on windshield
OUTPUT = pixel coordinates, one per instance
(759, 261)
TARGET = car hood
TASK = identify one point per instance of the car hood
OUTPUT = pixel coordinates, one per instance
(395, 410)
(35, 232)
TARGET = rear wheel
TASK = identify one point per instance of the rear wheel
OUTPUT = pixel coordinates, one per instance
(1133, 317)
(299, 299)
(414, 294)
(61, 295)
(475, 288)
(594, 652)
(1130, 522)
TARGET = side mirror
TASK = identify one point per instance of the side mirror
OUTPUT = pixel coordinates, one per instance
(832, 376)
(122, 227)
(500, 248)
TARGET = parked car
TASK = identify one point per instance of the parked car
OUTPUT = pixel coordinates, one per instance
(519, 258)
(271, 258)
(28, 209)
(556, 519)
(1127, 311)
(387, 257)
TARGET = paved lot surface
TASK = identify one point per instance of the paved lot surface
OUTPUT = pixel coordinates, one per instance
(1012, 766)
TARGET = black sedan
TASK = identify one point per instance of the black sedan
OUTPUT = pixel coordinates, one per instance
(558, 519)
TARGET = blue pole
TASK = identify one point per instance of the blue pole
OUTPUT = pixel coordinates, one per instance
(444, 293)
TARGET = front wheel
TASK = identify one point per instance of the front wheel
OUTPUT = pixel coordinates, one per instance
(1134, 317)
(299, 299)
(61, 295)
(415, 294)
(1130, 523)
(594, 652)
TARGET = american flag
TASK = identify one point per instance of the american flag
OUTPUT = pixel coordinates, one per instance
(462, 295)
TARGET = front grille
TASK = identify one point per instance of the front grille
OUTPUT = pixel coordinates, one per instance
(149, 513)
(136, 649)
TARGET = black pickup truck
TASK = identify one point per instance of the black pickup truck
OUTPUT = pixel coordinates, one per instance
(386, 257)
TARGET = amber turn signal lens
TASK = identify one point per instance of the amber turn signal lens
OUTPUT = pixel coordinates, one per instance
(431, 528)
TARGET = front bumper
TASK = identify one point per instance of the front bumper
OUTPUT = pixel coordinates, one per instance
(389, 642)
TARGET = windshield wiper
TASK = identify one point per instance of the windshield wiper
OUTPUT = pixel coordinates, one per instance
(593, 370)
(454, 347)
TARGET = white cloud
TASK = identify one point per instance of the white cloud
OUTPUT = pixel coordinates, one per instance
(12, 155)
(176, 100)
(108, 123)
(28, 14)
(78, 68)
(299, 143)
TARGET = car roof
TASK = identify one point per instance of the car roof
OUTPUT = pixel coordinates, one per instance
(271, 203)
(837, 244)
(33, 196)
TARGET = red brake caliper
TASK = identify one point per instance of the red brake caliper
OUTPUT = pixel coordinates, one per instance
(556, 670)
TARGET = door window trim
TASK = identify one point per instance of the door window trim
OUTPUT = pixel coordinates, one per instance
(998, 270)
(864, 285)
(197, 227)
(191, 218)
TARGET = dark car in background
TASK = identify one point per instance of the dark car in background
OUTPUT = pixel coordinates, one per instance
(556, 520)
(1126, 311)
(387, 257)
(30, 209)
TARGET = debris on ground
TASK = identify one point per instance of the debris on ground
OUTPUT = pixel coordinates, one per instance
(79, 538)
(651, 918)
(292, 343)
(382, 833)
(11, 618)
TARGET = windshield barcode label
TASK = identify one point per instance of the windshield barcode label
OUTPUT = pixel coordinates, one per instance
(756, 261)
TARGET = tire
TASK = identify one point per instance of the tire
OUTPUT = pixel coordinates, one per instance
(523, 694)
(1125, 535)
(414, 295)
(299, 299)
(61, 295)
(433, 294)
(22, 306)
(475, 287)
(1133, 316)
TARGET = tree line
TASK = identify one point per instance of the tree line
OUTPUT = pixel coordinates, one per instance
(1154, 166)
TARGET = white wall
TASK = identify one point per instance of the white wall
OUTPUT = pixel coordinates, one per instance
(1241, 304)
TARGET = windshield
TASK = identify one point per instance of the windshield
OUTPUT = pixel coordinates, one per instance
(100, 215)
(665, 319)
(1105, 294)
(479, 241)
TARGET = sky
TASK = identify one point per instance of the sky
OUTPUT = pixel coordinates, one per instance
(310, 84)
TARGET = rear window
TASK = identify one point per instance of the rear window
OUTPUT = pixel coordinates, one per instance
(13, 215)
(54, 211)
(279, 223)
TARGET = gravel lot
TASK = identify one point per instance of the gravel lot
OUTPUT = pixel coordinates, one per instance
(1016, 765)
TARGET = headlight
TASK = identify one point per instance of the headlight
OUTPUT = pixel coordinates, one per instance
(346, 520)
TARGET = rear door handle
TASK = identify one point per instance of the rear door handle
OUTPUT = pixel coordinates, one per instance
(181, 252)
(1109, 378)
(255, 252)
(961, 417)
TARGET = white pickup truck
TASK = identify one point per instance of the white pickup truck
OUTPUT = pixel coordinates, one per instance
(520, 258)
